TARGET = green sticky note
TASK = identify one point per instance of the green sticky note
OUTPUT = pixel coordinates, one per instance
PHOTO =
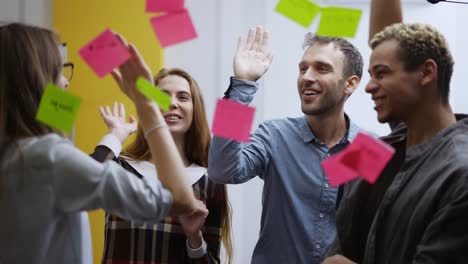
(302, 12)
(154, 94)
(58, 108)
(339, 22)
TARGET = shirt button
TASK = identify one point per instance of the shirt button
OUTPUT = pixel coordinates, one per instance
(321, 215)
(317, 246)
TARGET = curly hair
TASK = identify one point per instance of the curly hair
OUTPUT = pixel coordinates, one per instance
(419, 42)
(353, 61)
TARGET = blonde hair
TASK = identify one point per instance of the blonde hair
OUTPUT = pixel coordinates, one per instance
(197, 144)
(417, 43)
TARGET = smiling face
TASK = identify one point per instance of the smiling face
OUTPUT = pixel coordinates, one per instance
(180, 116)
(393, 89)
(320, 82)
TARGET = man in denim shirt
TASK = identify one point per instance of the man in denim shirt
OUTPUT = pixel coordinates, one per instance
(298, 216)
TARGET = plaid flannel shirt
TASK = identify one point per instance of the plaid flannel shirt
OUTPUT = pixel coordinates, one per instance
(165, 242)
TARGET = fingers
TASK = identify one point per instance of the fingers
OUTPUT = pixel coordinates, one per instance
(265, 39)
(250, 38)
(132, 119)
(142, 66)
(115, 110)
(269, 58)
(117, 77)
(121, 38)
(256, 46)
(108, 111)
(122, 112)
(240, 44)
(201, 208)
(101, 111)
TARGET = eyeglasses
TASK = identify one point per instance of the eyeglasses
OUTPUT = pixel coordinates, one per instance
(68, 70)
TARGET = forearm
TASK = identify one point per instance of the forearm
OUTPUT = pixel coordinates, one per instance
(165, 155)
(226, 163)
(383, 13)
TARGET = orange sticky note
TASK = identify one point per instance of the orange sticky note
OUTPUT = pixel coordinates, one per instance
(173, 28)
(104, 53)
(233, 120)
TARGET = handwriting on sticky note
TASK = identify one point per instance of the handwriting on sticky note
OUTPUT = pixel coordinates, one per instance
(302, 12)
(173, 28)
(164, 5)
(339, 21)
(58, 108)
(104, 53)
(154, 93)
(365, 157)
(233, 120)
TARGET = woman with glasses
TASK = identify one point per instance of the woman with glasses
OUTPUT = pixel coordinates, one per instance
(173, 240)
(46, 183)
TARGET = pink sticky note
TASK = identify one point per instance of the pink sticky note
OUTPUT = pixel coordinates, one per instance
(338, 172)
(233, 120)
(365, 157)
(173, 28)
(374, 156)
(104, 53)
(164, 5)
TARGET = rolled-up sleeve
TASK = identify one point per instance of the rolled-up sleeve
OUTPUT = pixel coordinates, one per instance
(230, 161)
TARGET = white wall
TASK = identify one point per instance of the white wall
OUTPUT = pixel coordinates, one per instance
(209, 59)
(36, 12)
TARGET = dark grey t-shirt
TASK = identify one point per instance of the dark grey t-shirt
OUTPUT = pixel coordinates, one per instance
(420, 205)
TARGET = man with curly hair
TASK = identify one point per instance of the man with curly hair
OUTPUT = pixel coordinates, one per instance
(417, 211)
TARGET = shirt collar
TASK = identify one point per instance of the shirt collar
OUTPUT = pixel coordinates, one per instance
(308, 135)
(147, 169)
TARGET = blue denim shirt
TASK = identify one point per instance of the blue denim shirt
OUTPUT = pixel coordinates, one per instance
(298, 215)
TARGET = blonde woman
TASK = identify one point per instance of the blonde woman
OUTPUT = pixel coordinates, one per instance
(173, 240)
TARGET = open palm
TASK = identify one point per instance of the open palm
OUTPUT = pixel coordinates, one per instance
(252, 58)
(116, 123)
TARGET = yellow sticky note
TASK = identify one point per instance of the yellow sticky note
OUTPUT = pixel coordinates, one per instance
(58, 108)
(154, 94)
(339, 21)
(302, 12)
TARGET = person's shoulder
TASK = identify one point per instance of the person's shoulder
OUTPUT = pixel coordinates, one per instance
(291, 122)
(43, 150)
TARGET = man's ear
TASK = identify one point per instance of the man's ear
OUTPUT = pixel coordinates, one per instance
(428, 72)
(351, 84)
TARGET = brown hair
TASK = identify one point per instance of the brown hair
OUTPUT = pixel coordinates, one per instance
(353, 61)
(197, 143)
(419, 42)
(30, 58)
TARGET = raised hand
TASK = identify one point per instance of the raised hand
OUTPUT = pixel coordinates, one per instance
(252, 58)
(130, 71)
(116, 123)
(192, 224)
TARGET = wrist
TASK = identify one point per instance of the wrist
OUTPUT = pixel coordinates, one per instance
(119, 134)
(196, 252)
(149, 115)
(195, 241)
(246, 78)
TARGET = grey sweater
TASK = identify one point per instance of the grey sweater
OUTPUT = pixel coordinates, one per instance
(45, 186)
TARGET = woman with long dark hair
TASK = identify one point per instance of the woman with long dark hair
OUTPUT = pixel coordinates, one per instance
(46, 184)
